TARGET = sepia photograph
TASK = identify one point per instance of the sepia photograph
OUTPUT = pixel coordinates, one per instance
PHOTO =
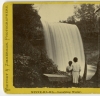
(56, 45)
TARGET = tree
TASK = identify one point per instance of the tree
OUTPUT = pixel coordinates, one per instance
(26, 23)
(96, 77)
(26, 17)
(85, 14)
(71, 20)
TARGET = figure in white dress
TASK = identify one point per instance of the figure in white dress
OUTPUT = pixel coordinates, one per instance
(76, 71)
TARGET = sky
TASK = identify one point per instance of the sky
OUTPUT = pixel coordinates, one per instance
(55, 12)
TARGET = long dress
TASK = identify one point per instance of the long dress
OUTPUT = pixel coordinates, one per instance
(76, 72)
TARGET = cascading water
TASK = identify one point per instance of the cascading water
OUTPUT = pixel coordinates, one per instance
(63, 43)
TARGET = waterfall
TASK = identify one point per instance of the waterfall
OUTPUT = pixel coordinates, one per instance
(63, 43)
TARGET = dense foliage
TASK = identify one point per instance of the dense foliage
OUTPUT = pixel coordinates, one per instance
(30, 58)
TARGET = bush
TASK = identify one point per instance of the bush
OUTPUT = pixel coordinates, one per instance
(28, 72)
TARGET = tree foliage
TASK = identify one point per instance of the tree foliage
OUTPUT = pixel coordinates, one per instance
(28, 72)
(30, 57)
(26, 23)
(71, 20)
(26, 20)
(85, 12)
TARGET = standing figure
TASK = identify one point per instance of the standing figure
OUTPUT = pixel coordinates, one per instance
(69, 73)
(76, 72)
(69, 68)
